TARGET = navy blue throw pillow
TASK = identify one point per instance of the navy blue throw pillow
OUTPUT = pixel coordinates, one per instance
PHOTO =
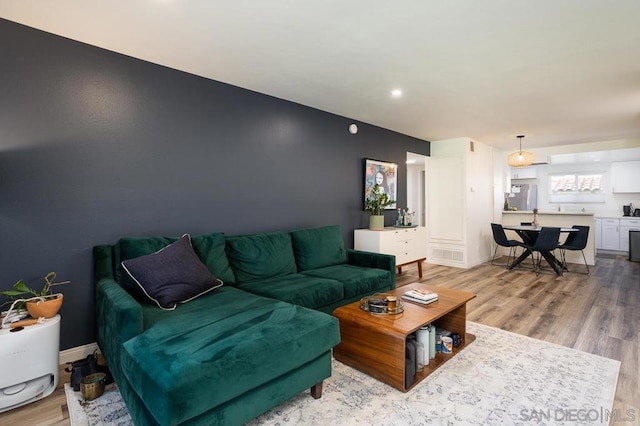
(172, 275)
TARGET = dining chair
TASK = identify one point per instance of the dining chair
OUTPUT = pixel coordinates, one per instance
(545, 243)
(500, 238)
(576, 241)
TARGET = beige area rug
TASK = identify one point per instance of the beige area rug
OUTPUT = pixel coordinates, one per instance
(500, 379)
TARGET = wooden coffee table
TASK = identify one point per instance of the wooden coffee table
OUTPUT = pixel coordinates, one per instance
(375, 343)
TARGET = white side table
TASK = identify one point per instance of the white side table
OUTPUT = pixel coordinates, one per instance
(29, 364)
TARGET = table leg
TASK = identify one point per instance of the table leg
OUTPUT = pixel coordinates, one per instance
(552, 261)
(519, 260)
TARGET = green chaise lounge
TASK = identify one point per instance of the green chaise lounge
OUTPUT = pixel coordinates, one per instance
(236, 351)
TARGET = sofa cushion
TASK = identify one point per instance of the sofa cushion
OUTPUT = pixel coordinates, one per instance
(303, 290)
(318, 247)
(356, 280)
(260, 256)
(130, 248)
(218, 347)
(174, 274)
(210, 248)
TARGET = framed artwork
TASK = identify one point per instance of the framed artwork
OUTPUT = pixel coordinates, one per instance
(384, 174)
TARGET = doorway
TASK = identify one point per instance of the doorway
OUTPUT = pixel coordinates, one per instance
(416, 186)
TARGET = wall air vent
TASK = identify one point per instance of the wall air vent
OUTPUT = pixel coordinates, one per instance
(446, 254)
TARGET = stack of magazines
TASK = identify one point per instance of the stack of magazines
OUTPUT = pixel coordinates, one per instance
(420, 296)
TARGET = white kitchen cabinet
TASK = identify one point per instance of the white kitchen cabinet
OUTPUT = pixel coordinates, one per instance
(598, 230)
(523, 173)
(610, 234)
(408, 245)
(627, 225)
(625, 177)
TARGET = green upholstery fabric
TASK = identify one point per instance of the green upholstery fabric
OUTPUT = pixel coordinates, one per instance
(367, 259)
(205, 353)
(260, 256)
(318, 247)
(303, 290)
(246, 406)
(210, 248)
(356, 280)
(103, 262)
(119, 317)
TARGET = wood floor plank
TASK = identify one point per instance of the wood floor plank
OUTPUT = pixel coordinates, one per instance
(596, 313)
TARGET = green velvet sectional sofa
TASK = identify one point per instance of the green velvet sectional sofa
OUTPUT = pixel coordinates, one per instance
(236, 351)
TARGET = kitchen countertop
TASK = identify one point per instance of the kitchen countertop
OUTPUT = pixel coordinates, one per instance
(595, 215)
(529, 212)
(618, 217)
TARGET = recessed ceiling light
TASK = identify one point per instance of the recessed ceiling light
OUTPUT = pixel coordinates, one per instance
(396, 93)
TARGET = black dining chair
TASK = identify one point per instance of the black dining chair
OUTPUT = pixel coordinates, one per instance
(544, 245)
(576, 241)
(500, 238)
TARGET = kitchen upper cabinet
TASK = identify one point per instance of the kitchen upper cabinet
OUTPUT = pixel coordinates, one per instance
(625, 177)
(610, 237)
(523, 173)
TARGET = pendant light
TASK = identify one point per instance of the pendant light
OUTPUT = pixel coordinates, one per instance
(520, 158)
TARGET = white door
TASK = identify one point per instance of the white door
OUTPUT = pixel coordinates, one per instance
(416, 196)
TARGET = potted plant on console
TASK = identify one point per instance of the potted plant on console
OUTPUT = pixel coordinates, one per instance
(42, 303)
(375, 204)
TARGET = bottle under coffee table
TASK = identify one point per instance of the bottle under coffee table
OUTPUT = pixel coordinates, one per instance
(375, 344)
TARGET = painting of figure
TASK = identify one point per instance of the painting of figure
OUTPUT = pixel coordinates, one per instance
(385, 175)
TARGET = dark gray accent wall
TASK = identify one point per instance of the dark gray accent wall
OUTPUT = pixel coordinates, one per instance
(96, 145)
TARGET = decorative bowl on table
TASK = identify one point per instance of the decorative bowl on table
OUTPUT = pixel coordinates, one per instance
(377, 304)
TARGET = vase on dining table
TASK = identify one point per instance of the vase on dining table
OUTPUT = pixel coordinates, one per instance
(535, 222)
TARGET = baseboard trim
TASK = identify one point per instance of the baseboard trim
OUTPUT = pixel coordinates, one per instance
(79, 352)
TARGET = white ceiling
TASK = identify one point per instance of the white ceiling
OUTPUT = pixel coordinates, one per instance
(560, 72)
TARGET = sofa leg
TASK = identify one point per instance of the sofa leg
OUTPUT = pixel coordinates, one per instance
(316, 390)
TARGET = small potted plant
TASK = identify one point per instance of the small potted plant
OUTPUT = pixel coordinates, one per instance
(375, 204)
(42, 303)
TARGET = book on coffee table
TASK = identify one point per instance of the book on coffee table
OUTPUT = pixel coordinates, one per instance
(420, 296)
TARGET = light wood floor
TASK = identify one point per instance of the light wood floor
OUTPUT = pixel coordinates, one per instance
(597, 313)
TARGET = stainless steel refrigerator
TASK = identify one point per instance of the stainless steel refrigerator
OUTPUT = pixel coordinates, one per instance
(523, 196)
